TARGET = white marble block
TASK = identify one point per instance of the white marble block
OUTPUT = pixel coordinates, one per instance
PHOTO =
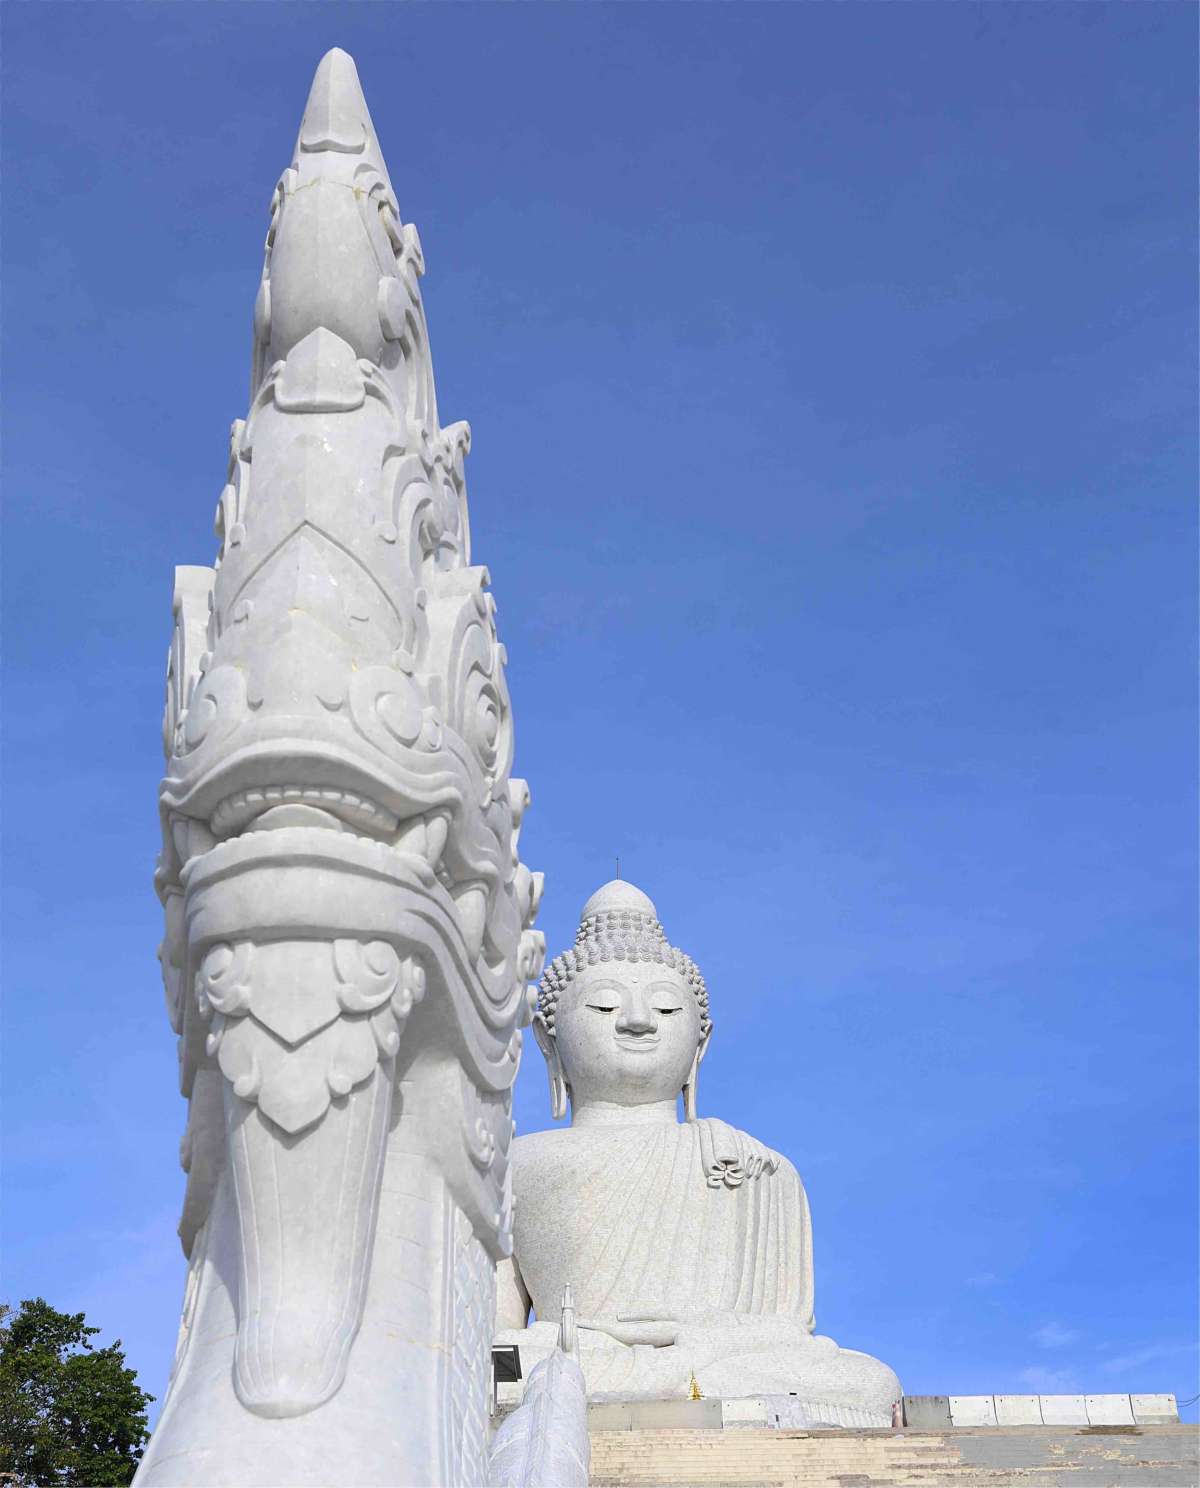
(1154, 1410)
(973, 1410)
(1109, 1410)
(1063, 1410)
(1018, 1410)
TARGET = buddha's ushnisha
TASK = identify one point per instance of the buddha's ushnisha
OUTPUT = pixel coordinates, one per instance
(688, 1244)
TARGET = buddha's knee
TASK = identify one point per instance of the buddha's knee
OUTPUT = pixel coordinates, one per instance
(870, 1378)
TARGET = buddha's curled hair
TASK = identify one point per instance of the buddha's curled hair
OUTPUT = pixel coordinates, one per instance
(617, 935)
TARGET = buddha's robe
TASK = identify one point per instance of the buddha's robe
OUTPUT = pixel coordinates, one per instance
(696, 1225)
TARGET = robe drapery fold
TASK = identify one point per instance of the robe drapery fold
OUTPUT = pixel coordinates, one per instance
(665, 1221)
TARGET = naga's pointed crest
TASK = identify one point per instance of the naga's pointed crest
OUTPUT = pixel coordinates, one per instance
(336, 116)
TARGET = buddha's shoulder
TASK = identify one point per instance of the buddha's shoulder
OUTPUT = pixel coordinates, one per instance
(570, 1145)
(749, 1145)
(539, 1146)
(552, 1157)
(533, 1142)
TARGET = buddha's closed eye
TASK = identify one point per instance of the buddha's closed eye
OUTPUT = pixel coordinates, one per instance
(602, 1007)
(666, 1011)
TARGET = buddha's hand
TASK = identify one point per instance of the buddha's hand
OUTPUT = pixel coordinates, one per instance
(632, 1328)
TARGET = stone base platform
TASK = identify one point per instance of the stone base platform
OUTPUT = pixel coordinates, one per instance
(987, 1457)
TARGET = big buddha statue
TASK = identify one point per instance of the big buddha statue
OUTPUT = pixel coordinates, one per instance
(688, 1243)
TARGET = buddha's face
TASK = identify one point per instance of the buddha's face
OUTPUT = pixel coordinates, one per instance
(627, 1032)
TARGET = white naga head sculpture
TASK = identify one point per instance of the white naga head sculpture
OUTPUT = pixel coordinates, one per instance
(345, 905)
(622, 1016)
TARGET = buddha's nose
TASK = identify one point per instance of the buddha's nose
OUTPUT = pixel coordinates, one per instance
(637, 1016)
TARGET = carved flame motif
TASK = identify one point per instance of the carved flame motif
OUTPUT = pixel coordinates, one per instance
(339, 823)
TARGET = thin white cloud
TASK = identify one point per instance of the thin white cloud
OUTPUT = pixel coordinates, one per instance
(1053, 1335)
(1136, 1358)
(1045, 1381)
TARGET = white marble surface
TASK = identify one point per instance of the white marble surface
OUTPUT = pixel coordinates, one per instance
(347, 949)
(689, 1244)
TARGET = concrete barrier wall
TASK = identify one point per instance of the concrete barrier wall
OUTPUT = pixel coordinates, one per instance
(939, 1411)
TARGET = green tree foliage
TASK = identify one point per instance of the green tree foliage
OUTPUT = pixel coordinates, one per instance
(69, 1413)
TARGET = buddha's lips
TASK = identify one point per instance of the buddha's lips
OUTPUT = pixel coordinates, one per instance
(639, 1044)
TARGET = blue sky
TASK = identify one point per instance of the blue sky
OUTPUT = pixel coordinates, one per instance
(832, 375)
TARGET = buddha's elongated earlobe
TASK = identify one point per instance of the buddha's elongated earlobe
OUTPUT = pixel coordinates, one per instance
(559, 1090)
(689, 1092)
(693, 1079)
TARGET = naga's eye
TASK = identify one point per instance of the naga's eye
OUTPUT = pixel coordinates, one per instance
(601, 1007)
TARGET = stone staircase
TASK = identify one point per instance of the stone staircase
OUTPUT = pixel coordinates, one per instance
(989, 1457)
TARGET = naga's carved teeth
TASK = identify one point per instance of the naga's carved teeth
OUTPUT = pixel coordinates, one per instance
(249, 810)
(439, 827)
(471, 900)
(423, 835)
(190, 837)
(412, 836)
(296, 814)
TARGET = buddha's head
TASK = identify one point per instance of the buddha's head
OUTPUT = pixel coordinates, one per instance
(622, 1017)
